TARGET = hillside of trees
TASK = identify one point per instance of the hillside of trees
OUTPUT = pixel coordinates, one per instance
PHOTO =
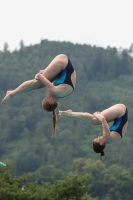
(104, 78)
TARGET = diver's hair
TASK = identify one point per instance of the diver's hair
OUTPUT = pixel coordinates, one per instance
(98, 148)
(55, 124)
(51, 108)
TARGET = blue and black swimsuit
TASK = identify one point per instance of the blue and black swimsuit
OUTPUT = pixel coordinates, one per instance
(119, 123)
(65, 76)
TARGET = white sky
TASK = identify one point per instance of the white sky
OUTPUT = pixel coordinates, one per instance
(99, 22)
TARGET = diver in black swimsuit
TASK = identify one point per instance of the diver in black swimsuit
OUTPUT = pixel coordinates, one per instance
(59, 77)
(118, 114)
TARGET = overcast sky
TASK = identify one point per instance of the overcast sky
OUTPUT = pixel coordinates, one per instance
(100, 22)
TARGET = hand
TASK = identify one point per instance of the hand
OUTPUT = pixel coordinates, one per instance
(36, 77)
(99, 116)
(41, 71)
(97, 112)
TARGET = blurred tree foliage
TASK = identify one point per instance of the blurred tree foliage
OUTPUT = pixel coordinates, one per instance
(107, 182)
(69, 187)
(104, 78)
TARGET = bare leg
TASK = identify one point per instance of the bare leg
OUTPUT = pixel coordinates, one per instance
(56, 65)
(24, 87)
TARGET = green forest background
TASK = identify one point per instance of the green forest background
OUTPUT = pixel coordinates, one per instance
(104, 78)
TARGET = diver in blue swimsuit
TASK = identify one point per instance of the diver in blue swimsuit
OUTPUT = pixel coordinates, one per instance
(119, 123)
(59, 77)
(65, 77)
(118, 114)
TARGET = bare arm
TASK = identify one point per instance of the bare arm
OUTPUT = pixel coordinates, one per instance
(102, 119)
(51, 88)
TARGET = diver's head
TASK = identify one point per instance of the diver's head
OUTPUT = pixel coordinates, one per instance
(50, 103)
(99, 144)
